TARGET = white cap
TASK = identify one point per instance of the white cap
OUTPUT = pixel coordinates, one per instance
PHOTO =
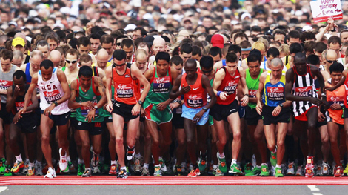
(130, 27)
(244, 15)
(307, 28)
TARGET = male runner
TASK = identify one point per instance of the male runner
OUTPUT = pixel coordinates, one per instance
(226, 82)
(194, 87)
(157, 112)
(126, 107)
(300, 89)
(275, 112)
(26, 123)
(54, 95)
(88, 97)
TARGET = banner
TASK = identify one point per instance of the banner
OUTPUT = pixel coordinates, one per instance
(322, 10)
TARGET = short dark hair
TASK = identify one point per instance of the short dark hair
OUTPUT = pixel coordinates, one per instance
(95, 36)
(334, 40)
(313, 60)
(176, 60)
(19, 74)
(83, 41)
(254, 56)
(336, 67)
(85, 71)
(196, 51)
(46, 64)
(186, 48)
(127, 43)
(231, 57)
(119, 54)
(162, 56)
(214, 51)
(274, 52)
(296, 48)
(207, 62)
(294, 34)
(320, 47)
(106, 39)
(234, 48)
(6, 54)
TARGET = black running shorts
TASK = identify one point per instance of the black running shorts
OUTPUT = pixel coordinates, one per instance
(124, 110)
(268, 119)
(221, 112)
(251, 116)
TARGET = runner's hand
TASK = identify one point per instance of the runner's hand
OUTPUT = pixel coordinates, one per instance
(336, 107)
(259, 108)
(173, 105)
(136, 109)
(109, 107)
(89, 104)
(321, 117)
(244, 100)
(198, 116)
(16, 91)
(276, 111)
(161, 106)
(185, 89)
(316, 101)
(223, 95)
(91, 115)
(48, 110)
(16, 118)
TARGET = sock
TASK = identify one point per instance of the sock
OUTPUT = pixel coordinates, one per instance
(234, 161)
(113, 162)
(146, 165)
(68, 158)
(221, 155)
(38, 163)
(137, 155)
(80, 161)
(263, 164)
(124, 168)
(31, 165)
(278, 166)
(87, 169)
(215, 166)
(259, 167)
(19, 158)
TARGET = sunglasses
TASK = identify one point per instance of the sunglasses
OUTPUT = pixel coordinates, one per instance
(120, 64)
(71, 62)
(331, 61)
(206, 71)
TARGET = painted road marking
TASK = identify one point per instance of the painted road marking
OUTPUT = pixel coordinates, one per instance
(3, 188)
(313, 188)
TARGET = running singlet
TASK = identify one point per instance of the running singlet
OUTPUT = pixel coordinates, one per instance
(6, 81)
(20, 101)
(125, 87)
(274, 94)
(229, 85)
(253, 86)
(160, 88)
(197, 96)
(91, 95)
(51, 91)
(304, 86)
(346, 87)
(336, 97)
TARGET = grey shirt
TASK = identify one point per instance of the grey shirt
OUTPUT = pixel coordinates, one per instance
(6, 81)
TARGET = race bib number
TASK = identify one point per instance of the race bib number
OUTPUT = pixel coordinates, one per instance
(303, 91)
(124, 91)
(231, 87)
(161, 85)
(52, 96)
(195, 101)
(20, 106)
(252, 93)
(4, 85)
(275, 93)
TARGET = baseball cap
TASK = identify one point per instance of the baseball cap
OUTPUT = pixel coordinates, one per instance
(217, 41)
(18, 41)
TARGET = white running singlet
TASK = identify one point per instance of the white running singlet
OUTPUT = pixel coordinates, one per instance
(51, 91)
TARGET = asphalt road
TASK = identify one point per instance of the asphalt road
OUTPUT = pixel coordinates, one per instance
(174, 190)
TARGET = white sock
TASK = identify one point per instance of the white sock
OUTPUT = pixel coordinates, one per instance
(79, 161)
(113, 162)
(31, 165)
(124, 168)
(263, 164)
(87, 169)
(146, 165)
(278, 166)
(68, 158)
(258, 166)
(137, 155)
(234, 161)
(215, 166)
(221, 155)
(19, 158)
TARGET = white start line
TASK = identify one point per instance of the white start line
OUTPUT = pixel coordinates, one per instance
(3, 188)
(313, 188)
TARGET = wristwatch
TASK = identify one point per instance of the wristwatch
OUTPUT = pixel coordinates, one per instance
(55, 103)
(281, 105)
(205, 109)
(140, 102)
(96, 107)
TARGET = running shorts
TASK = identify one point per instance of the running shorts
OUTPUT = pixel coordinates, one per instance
(159, 117)
(221, 112)
(251, 116)
(124, 110)
(189, 113)
(268, 119)
(94, 128)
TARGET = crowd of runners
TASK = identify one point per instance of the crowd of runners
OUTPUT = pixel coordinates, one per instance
(97, 96)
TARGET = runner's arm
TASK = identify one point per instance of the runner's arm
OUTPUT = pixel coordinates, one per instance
(175, 90)
(65, 87)
(108, 76)
(206, 84)
(243, 84)
(143, 81)
(261, 88)
(10, 100)
(72, 100)
(219, 76)
(101, 90)
(30, 91)
(35, 102)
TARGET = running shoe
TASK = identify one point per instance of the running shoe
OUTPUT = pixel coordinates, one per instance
(291, 169)
(69, 168)
(309, 171)
(63, 163)
(31, 171)
(346, 170)
(264, 170)
(217, 172)
(87, 173)
(338, 171)
(7, 171)
(273, 159)
(202, 165)
(222, 164)
(17, 166)
(145, 172)
(235, 169)
(248, 169)
(278, 172)
(325, 168)
(113, 169)
(299, 171)
(254, 172)
(194, 173)
(123, 173)
(157, 171)
(38, 169)
(177, 170)
(137, 163)
(130, 153)
(2, 166)
(80, 169)
(319, 170)
(51, 173)
(95, 163)
(26, 166)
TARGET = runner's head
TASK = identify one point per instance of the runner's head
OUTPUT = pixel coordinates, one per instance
(254, 62)
(46, 68)
(119, 58)
(107, 43)
(336, 70)
(102, 58)
(313, 60)
(55, 57)
(6, 59)
(85, 76)
(177, 62)
(190, 68)
(128, 46)
(143, 46)
(207, 63)
(18, 57)
(215, 53)
(331, 57)
(83, 45)
(95, 42)
(19, 79)
(162, 62)
(86, 60)
(185, 51)
(158, 45)
(71, 59)
(300, 63)
(276, 67)
(231, 62)
(196, 53)
(141, 58)
(44, 47)
(36, 58)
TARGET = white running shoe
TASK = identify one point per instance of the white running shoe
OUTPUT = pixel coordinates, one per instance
(299, 171)
(51, 173)
(291, 169)
(63, 163)
(38, 169)
(325, 169)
